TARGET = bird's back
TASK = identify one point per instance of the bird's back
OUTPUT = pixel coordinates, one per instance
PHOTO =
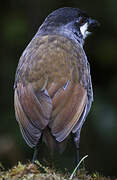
(50, 88)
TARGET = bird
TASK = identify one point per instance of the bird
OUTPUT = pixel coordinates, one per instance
(53, 89)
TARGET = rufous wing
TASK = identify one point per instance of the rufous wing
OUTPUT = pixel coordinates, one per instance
(33, 110)
(68, 105)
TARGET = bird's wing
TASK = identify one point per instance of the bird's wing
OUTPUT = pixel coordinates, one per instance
(68, 105)
(32, 112)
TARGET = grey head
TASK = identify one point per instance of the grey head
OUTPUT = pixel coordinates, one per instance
(71, 22)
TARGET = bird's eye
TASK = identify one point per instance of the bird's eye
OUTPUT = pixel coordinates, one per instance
(81, 21)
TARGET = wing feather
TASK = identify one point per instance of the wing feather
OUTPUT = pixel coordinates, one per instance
(64, 118)
(32, 112)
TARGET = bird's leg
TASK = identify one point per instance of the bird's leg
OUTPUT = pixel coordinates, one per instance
(36, 150)
(76, 139)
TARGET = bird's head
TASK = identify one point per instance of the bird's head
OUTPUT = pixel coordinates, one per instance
(71, 22)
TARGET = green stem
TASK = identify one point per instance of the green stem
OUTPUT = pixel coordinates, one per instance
(77, 167)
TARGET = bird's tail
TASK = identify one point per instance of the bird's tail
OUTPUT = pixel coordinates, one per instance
(51, 142)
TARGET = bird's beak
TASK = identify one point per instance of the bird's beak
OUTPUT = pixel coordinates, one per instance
(92, 24)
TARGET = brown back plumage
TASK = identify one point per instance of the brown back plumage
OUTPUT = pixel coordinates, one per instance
(50, 89)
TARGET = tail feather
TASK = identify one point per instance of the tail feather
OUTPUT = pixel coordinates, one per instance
(51, 142)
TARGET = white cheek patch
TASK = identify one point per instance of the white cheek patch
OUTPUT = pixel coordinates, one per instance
(84, 31)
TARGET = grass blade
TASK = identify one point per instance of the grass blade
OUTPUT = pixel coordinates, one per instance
(77, 167)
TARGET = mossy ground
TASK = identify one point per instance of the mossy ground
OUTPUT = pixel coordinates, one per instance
(30, 171)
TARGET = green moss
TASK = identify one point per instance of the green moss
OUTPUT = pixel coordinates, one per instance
(34, 172)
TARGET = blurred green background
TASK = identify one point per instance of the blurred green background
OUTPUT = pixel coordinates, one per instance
(19, 22)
